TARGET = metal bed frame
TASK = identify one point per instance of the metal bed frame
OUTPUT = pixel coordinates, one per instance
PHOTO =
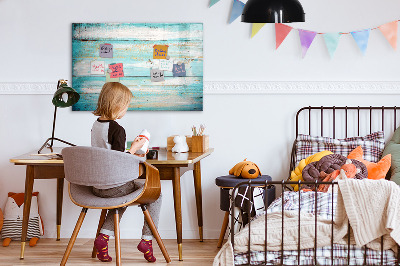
(283, 184)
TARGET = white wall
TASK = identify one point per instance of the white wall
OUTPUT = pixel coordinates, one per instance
(36, 47)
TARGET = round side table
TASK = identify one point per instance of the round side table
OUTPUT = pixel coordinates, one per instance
(226, 183)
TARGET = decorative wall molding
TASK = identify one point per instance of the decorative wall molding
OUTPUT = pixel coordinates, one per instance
(28, 88)
(251, 87)
(303, 87)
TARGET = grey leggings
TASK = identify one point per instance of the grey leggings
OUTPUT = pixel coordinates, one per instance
(154, 208)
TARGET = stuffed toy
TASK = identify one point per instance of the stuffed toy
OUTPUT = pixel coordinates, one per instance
(296, 174)
(375, 170)
(245, 169)
(180, 144)
(13, 215)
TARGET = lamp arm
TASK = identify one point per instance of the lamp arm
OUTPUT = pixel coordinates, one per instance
(54, 126)
(54, 118)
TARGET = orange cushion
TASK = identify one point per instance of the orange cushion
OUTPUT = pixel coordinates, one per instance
(375, 170)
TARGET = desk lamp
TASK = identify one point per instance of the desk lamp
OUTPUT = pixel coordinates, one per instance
(63, 97)
(273, 11)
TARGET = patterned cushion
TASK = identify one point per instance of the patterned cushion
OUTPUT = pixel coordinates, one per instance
(372, 144)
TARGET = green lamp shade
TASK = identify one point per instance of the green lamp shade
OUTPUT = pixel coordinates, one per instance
(65, 96)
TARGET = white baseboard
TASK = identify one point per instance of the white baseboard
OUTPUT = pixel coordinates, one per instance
(244, 87)
(135, 233)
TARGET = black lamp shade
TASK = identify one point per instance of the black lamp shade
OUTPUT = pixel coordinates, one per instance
(273, 11)
(73, 96)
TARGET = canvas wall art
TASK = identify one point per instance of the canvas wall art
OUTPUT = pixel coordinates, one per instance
(161, 63)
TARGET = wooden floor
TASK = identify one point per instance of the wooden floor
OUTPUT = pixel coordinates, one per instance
(50, 252)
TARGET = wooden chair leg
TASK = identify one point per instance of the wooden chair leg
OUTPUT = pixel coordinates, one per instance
(101, 222)
(223, 229)
(117, 238)
(154, 230)
(73, 237)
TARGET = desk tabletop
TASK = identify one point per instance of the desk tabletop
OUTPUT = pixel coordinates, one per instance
(164, 157)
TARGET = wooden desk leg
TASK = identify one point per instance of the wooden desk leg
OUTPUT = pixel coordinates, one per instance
(27, 206)
(60, 191)
(199, 204)
(176, 183)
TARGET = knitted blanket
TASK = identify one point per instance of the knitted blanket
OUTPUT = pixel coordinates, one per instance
(371, 207)
(274, 235)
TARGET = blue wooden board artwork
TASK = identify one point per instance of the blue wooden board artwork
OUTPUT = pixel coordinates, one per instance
(133, 46)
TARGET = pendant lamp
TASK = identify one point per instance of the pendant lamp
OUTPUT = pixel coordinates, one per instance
(63, 97)
(273, 11)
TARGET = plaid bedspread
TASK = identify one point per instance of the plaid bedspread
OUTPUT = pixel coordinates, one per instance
(307, 202)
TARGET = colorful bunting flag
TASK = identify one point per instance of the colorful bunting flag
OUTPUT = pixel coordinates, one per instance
(237, 9)
(389, 30)
(306, 39)
(213, 2)
(256, 27)
(361, 37)
(332, 41)
(281, 31)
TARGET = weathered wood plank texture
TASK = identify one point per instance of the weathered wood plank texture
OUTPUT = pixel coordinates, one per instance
(133, 46)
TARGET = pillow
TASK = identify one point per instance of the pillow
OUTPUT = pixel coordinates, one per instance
(393, 148)
(296, 174)
(375, 170)
(372, 144)
(329, 164)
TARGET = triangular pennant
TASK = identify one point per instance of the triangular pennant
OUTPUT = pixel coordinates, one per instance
(361, 37)
(306, 39)
(281, 31)
(237, 9)
(332, 41)
(256, 27)
(213, 2)
(389, 30)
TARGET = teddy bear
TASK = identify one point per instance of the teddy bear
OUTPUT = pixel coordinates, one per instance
(245, 169)
(180, 144)
(13, 215)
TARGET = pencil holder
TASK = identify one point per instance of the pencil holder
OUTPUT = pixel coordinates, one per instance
(200, 143)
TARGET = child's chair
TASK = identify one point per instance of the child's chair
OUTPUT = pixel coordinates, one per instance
(85, 167)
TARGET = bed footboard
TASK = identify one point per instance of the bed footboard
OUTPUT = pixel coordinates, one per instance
(310, 254)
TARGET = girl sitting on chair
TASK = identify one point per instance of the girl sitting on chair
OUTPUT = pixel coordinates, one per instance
(106, 133)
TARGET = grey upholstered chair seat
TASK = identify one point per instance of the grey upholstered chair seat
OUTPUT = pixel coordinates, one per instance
(83, 196)
(85, 167)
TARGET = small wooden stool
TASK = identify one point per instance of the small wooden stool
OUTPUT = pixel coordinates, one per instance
(226, 183)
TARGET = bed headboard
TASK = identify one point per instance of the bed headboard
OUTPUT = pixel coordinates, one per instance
(344, 121)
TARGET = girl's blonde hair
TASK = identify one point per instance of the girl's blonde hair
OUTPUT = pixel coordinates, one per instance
(112, 99)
